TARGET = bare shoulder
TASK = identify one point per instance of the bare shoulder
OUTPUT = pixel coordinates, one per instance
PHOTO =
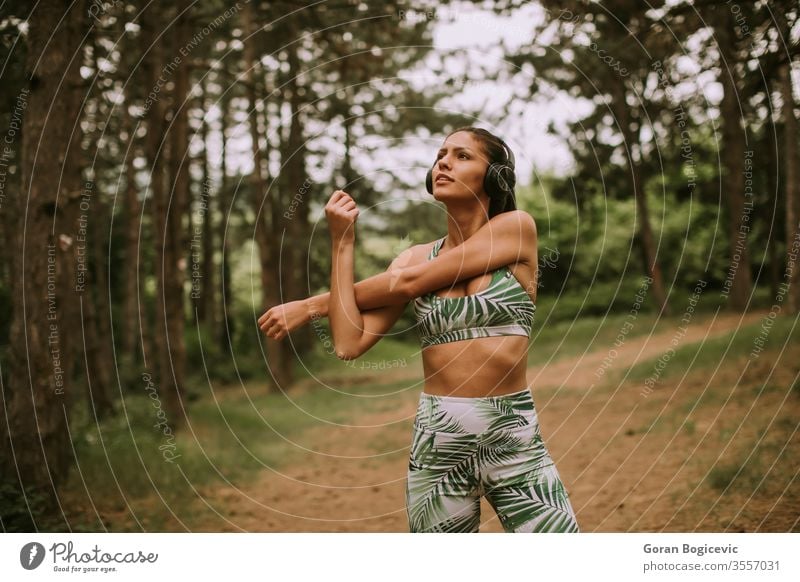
(519, 221)
(517, 217)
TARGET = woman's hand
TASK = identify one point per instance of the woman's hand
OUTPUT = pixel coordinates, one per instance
(278, 321)
(341, 212)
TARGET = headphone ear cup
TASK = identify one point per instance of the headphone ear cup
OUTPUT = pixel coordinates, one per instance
(429, 181)
(500, 180)
(506, 179)
(492, 183)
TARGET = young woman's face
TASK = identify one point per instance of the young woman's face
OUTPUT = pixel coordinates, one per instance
(460, 167)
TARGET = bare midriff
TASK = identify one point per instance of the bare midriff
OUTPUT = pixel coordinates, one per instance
(485, 366)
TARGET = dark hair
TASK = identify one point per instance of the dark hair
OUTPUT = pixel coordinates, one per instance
(496, 153)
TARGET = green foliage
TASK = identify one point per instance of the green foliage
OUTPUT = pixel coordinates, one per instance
(597, 243)
(595, 299)
(691, 238)
(583, 244)
(210, 360)
(24, 511)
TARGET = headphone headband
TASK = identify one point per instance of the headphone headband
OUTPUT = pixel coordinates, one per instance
(509, 153)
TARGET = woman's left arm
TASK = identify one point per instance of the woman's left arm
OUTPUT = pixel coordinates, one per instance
(509, 237)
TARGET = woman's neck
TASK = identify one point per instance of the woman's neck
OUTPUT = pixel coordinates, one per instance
(462, 224)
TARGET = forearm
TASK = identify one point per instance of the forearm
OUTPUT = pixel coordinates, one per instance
(376, 291)
(318, 305)
(347, 324)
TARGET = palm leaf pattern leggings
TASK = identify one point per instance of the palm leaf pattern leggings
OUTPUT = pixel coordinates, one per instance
(464, 448)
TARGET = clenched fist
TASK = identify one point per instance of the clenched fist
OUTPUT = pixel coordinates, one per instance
(278, 321)
(341, 212)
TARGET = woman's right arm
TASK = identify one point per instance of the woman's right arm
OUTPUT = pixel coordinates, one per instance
(371, 294)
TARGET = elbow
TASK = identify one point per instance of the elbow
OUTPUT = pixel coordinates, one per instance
(346, 342)
(345, 347)
(406, 286)
(346, 354)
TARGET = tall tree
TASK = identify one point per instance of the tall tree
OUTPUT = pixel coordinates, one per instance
(262, 202)
(93, 246)
(790, 162)
(133, 309)
(224, 208)
(172, 272)
(732, 55)
(162, 146)
(610, 54)
(35, 451)
(208, 303)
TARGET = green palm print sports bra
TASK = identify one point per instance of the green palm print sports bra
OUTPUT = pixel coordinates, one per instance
(503, 308)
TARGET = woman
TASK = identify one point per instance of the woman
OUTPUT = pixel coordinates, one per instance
(476, 430)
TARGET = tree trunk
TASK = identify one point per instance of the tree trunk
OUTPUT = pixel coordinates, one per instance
(173, 269)
(773, 190)
(652, 267)
(207, 305)
(348, 175)
(645, 231)
(133, 314)
(92, 242)
(167, 345)
(738, 280)
(792, 278)
(297, 188)
(261, 208)
(98, 376)
(35, 450)
(226, 328)
(96, 313)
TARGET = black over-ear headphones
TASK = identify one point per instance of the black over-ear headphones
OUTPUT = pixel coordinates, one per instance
(500, 178)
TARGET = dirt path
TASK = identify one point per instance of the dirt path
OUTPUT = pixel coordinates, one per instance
(631, 461)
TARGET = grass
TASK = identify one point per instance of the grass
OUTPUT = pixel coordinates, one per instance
(756, 468)
(697, 361)
(566, 339)
(120, 462)
(721, 350)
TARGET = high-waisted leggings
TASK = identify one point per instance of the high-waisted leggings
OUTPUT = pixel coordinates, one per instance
(464, 448)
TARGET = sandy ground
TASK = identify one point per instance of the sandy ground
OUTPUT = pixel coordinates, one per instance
(631, 460)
